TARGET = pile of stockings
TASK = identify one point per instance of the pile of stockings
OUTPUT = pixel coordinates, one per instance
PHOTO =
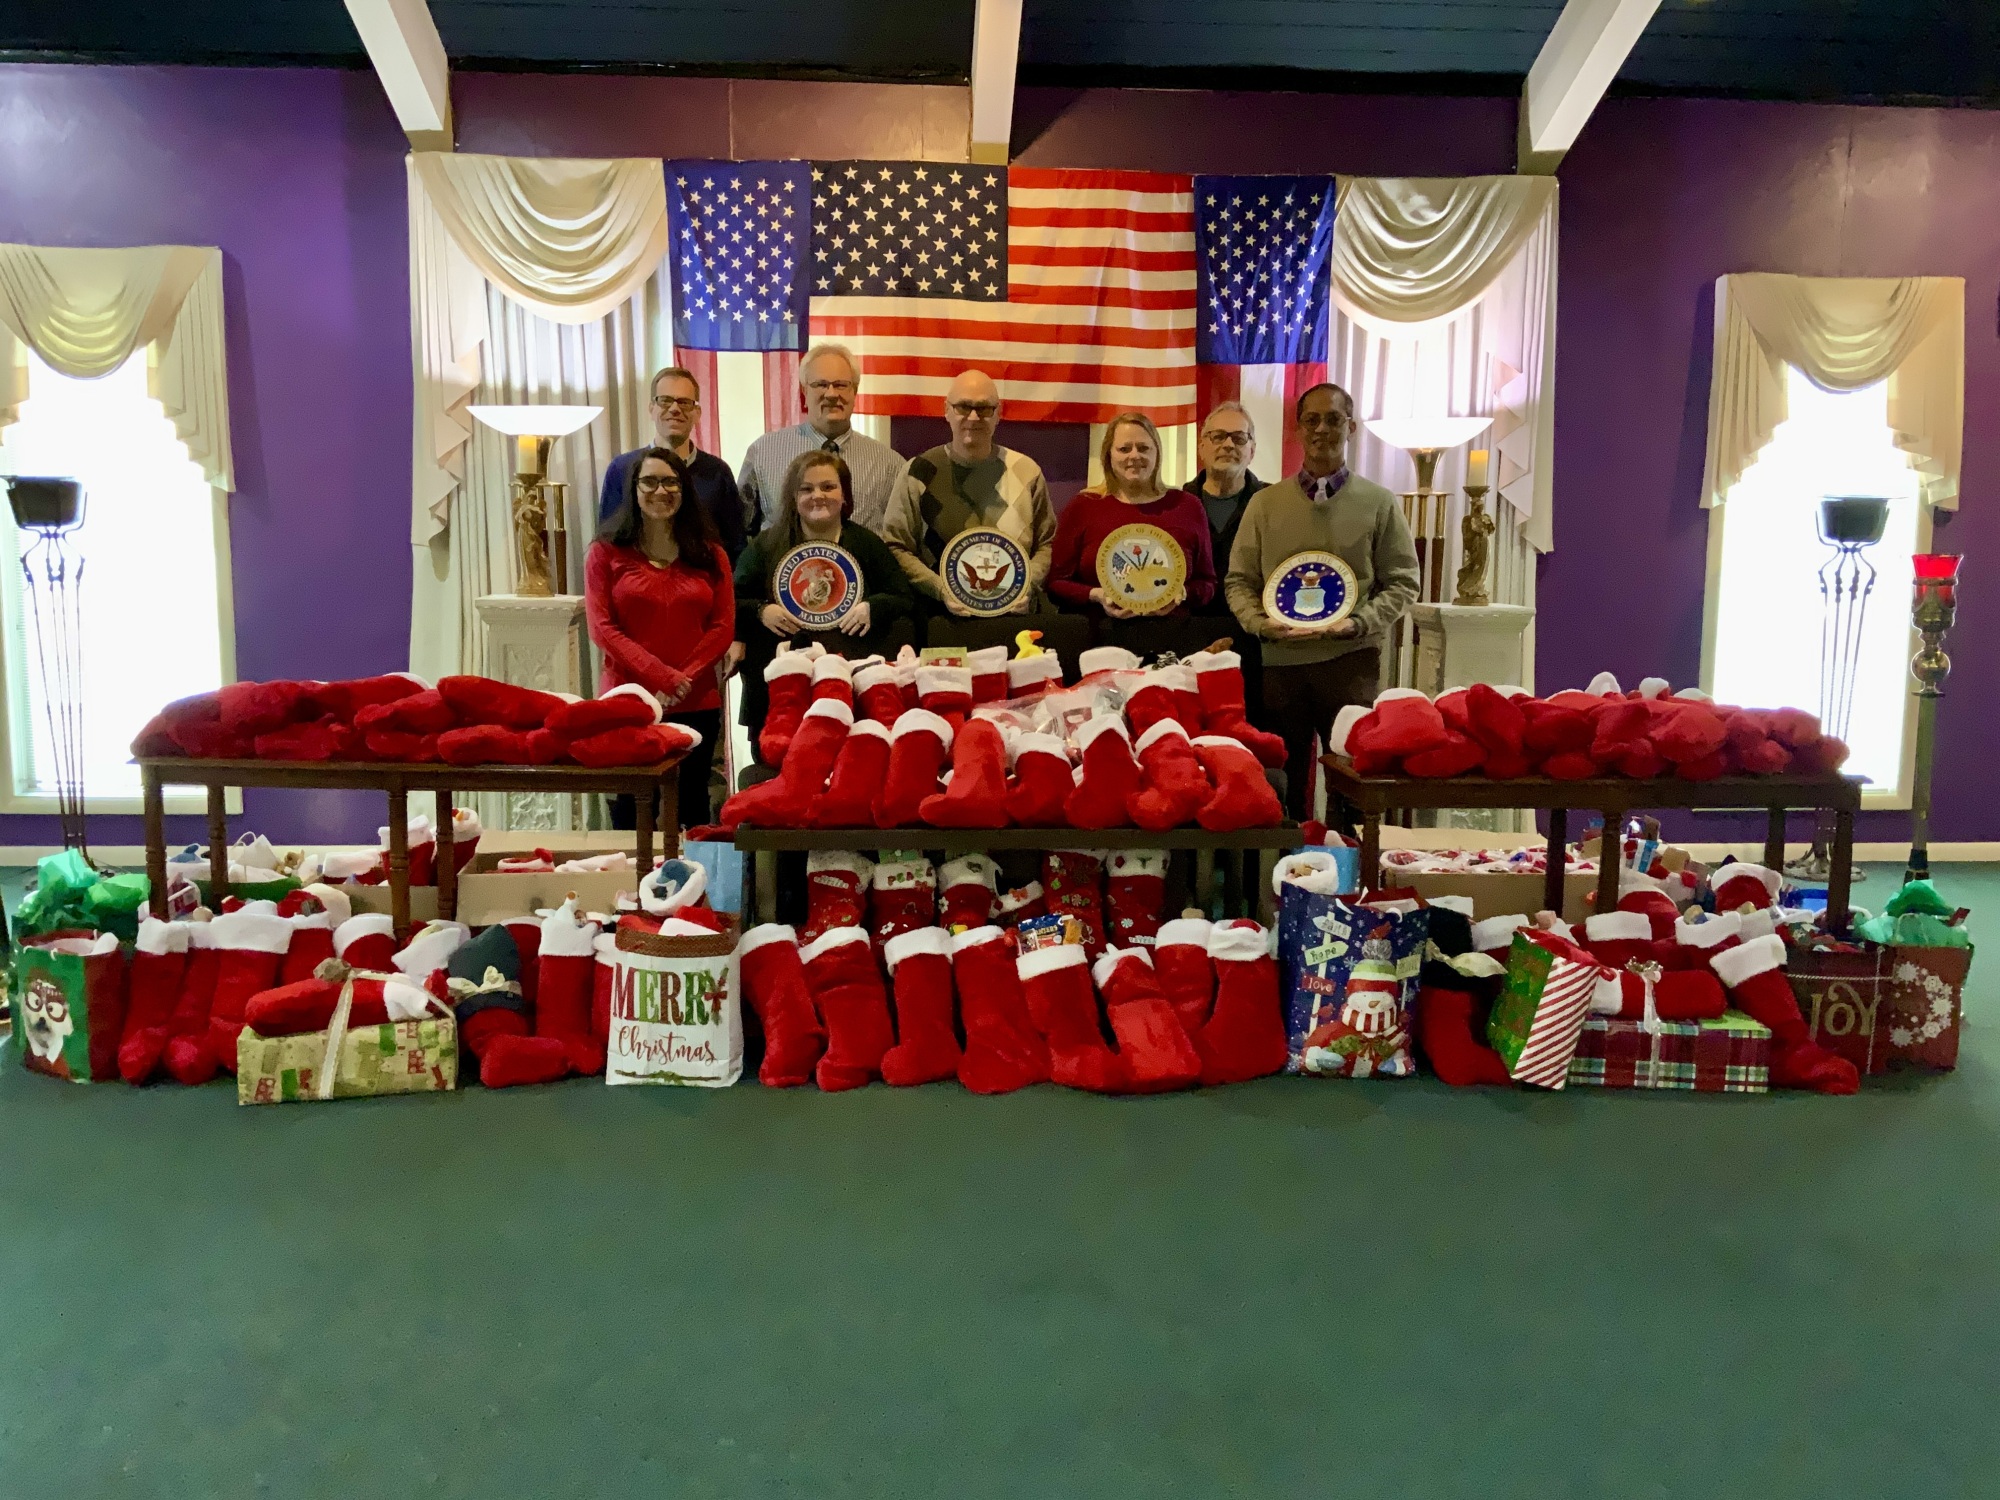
(1600, 731)
(1200, 1007)
(463, 721)
(875, 744)
(1694, 966)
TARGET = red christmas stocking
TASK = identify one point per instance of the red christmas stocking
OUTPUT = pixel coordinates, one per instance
(926, 1047)
(1445, 1030)
(1218, 677)
(917, 749)
(316, 912)
(1153, 700)
(968, 885)
(564, 963)
(846, 986)
(786, 800)
(1042, 781)
(1152, 1045)
(988, 667)
(1135, 896)
(836, 891)
(1242, 797)
(788, 679)
(1619, 938)
(1003, 1051)
(190, 1059)
(603, 974)
(877, 695)
(977, 796)
(1495, 720)
(1187, 978)
(774, 987)
(105, 989)
(1034, 676)
(1697, 943)
(849, 799)
(1245, 1037)
(1173, 787)
(627, 706)
(250, 953)
(1110, 776)
(946, 692)
(1019, 904)
(1074, 882)
(527, 935)
(833, 678)
(1064, 1009)
(1755, 976)
(902, 896)
(159, 965)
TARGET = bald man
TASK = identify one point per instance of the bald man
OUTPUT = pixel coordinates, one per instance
(970, 481)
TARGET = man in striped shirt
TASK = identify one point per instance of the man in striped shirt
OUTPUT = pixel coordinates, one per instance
(831, 382)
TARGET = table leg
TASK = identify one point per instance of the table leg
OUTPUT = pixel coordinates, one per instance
(1840, 871)
(399, 862)
(1371, 849)
(1232, 884)
(447, 859)
(1202, 893)
(670, 812)
(1553, 889)
(156, 842)
(643, 808)
(1610, 858)
(218, 846)
(1774, 841)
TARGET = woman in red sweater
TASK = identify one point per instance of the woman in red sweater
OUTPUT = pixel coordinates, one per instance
(662, 609)
(1132, 493)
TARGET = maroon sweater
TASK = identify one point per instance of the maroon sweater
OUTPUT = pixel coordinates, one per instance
(1092, 516)
(659, 627)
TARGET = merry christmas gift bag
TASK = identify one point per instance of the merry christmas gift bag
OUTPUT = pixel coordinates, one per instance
(1543, 1004)
(675, 1014)
(1350, 977)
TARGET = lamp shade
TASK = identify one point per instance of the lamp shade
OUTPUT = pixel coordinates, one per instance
(1435, 433)
(536, 421)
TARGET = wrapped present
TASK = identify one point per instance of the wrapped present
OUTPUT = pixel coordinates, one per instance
(1730, 1055)
(66, 993)
(675, 1013)
(1543, 1004)
(1350, 981)
(1882, 1007)
(397, 1057)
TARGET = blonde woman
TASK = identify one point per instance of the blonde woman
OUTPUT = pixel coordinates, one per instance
(1132, 493)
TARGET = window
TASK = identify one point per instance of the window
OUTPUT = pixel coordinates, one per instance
(1765, 555)
(154, 543)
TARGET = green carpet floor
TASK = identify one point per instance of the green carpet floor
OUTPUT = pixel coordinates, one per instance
(1283, 1289)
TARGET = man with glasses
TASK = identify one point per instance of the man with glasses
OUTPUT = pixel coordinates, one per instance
(1309, 676)
(676, 408)
(970, 482)
(1224, 484)
(831, 382)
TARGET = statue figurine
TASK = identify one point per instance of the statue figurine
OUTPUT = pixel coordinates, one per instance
(531, 548)
(1473, 532)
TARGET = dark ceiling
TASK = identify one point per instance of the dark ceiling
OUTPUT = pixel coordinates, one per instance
(1806, 49)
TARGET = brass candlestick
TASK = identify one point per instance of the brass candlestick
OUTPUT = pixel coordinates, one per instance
(531, 516)
(1474, 530)
(1933, 608)
(558, 511)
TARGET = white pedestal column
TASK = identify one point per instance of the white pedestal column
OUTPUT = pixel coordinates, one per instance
(1458, 645)
(537, 643)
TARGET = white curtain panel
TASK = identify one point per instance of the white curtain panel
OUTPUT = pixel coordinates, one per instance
(86, 311)
(1842, 333)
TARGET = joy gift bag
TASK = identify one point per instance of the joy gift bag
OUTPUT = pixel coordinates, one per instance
(67, 995)
(675, 1013)
(1350, 980)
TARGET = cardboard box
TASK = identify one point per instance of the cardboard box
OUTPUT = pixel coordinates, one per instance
(1499, 894)
(396, 1057)
(486, 896)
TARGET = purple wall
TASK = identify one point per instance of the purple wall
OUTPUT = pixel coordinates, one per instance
(297, 175)
(1660, 197)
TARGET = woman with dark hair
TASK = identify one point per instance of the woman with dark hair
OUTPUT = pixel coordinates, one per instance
(817, 499)
(661, 607)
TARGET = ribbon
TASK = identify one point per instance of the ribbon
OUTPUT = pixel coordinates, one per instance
(395, 989)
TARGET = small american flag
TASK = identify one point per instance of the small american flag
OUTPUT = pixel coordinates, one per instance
(739, 235)
(909, 229)
(1098, 315)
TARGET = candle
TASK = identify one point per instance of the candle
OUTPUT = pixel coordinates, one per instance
(1475, 469)
(1936, 565)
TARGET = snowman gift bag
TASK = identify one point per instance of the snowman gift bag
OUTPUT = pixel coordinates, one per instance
(1350, 974)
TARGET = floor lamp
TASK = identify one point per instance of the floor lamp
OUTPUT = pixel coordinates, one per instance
(51, 510)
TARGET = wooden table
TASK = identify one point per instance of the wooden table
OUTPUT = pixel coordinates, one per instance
(956, 841)
(653, 788)
(1614, 796)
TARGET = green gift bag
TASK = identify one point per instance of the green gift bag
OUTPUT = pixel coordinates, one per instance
(67, 996)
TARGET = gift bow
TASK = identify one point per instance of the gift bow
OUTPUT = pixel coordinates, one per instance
(493, 982)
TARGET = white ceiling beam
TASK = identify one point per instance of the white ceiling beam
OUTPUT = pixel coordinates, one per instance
(403, 44)
(1588, 45)
(996, 52)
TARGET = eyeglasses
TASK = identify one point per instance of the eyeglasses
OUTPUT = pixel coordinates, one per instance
(676, 403)
(830, 387)
(653, 483)
(1234, 439)
(979, 409)
(1314, 420)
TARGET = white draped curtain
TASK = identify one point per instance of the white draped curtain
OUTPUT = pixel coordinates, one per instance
(85, 312)
(1843, 333)
(532, 280)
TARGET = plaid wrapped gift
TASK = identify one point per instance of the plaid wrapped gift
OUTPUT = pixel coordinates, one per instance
(1730, 1055)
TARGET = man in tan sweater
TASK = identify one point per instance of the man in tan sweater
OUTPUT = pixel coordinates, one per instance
(1310, 675)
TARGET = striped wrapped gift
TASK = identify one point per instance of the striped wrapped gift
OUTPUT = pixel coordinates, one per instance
(1730, 1055)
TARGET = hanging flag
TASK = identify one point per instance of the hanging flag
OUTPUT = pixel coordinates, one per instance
(739, 233)
(1263, 252)
(1075, 290)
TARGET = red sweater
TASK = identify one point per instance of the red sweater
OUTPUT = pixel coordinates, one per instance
(1091, 516)
(659, 627)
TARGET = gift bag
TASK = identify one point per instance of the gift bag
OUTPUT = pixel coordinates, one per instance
(1882, 1007)
(67, 998)
(676, 1016)
(1544, 1001)
(1350, 981)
